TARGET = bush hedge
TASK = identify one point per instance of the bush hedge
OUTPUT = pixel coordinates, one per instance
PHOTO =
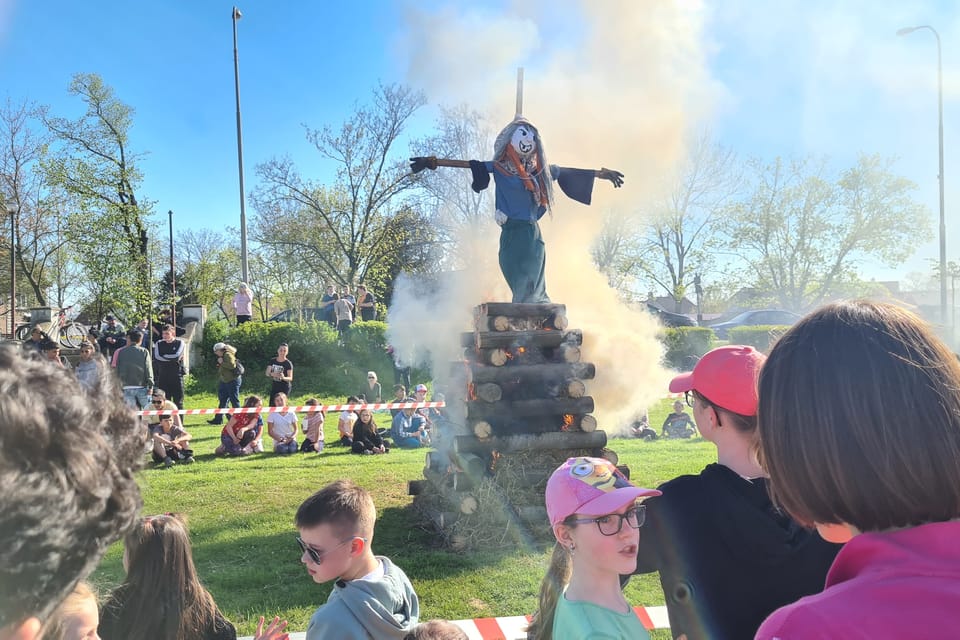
(322, 365)
(685, 345)
(760, 337)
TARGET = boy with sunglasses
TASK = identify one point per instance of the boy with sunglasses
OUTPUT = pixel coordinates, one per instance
(372, 597)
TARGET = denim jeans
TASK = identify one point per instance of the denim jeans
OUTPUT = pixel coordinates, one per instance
(228, 393)
(136, 397)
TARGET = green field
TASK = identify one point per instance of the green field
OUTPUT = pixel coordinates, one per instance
(240, 512)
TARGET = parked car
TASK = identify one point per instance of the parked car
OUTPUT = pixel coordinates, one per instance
(303, 314)
(670, 319)
(755, 318)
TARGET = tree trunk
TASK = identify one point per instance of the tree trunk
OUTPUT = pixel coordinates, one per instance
(526, 408)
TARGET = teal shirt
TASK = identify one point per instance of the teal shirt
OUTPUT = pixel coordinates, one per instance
(578, 620)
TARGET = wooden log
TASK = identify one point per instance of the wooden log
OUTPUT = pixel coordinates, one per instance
(436, 461)
(526, 339)
(506, 323)
(558, 321)
(569, 353)
(463, 482)
(557, 372)
(468, 505)
(508, 424)
(521, 309)
(489, 392)
(463, 502)
(482, 429)
(531, 442)
(471, 464)
(496, 357)
(416, 487)
(575, 388)
(442, 520)
(588, 424)
(523, 408)
(610, 455)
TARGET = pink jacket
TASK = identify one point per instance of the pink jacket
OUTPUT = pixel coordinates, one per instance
(898, 584)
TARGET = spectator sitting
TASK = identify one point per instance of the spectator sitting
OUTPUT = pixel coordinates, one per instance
(371, 597)
(87, 472)
(366, 436)
(408, 430)
(282, 426)
(77, 617)
(162, 597)
(171, 443)
(51, 352)
(345, 423)
(312, 429)
(678, 424)
(420, 395)
(373, 392)
(641, 428)
(241, 435)
(399, 395)
(111, 336)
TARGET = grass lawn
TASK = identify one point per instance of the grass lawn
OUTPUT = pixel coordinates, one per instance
(240, 512)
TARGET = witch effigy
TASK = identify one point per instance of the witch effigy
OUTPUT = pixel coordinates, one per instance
(524, 192)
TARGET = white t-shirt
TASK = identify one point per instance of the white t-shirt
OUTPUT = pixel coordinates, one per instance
(284, 424)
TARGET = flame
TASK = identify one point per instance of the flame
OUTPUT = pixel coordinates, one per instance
(471, 391)
(494, 456)
(521, 349)
(567, 422)
(509, 355)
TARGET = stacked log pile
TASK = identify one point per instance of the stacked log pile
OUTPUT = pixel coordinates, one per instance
(517, 406)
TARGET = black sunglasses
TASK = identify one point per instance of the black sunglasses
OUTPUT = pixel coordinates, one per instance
(317, 556)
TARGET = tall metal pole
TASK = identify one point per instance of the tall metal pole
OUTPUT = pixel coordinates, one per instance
(12, 209)
(173, 278)
(243, 211)
(943, 222)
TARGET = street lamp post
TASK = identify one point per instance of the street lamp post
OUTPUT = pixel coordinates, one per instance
(243, 212)
(943, 224)
(12, 210)
(173, 278)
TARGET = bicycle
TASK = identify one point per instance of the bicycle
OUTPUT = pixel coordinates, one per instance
(69, 334)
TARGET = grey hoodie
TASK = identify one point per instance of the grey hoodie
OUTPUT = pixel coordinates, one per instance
(364, 609)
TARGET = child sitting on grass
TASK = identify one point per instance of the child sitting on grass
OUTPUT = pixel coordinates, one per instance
(241, 435)
(312, 430)
(678, 424)
(371, 597)
(282, 426)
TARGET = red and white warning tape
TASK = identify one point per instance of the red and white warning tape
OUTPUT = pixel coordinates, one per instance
(300, 409)
(513, 627)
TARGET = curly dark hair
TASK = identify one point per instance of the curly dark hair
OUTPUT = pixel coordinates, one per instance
(67, 463)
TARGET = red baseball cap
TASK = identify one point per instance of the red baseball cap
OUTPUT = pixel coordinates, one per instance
(727, 377)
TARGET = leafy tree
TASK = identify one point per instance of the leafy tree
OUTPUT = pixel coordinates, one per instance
(342, 232)
(210, 265)
(672, 239)
(802, 232)
(95, 165)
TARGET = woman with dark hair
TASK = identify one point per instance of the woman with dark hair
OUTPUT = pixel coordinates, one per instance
(366, 436)
(280, 372)
(241, 435)
(727, 557)
(860, 432)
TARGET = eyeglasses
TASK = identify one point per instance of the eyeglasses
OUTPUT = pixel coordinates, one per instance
(610, 525)
(156, 401)
(689, 397)
(317, 556)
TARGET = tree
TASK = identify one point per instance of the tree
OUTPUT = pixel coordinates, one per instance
(40, 242)
(96, 166)
(342, 232)
(802, 233)
(210, 266)
(457, 211)
(672, 239)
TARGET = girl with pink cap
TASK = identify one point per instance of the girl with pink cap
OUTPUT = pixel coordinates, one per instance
(596, 520)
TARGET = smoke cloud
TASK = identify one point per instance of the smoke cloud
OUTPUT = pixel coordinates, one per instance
(618, 84)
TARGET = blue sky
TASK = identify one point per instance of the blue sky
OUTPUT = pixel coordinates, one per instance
(779, 78)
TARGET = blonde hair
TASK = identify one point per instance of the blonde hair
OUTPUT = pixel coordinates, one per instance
(551, 589)
(56, 625)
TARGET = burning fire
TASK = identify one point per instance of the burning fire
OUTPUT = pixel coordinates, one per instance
(471, 391)
(567, 422)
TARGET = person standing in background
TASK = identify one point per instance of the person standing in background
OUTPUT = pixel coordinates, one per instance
(243, 304)
(280, 371)
(168, 360)
(366, 303)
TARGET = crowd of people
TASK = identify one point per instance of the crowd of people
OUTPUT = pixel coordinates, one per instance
(832, 511)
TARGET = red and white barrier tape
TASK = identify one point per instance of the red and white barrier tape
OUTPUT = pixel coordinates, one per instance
(300, 409)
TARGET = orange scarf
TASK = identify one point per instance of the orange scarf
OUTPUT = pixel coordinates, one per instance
(534, 186)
